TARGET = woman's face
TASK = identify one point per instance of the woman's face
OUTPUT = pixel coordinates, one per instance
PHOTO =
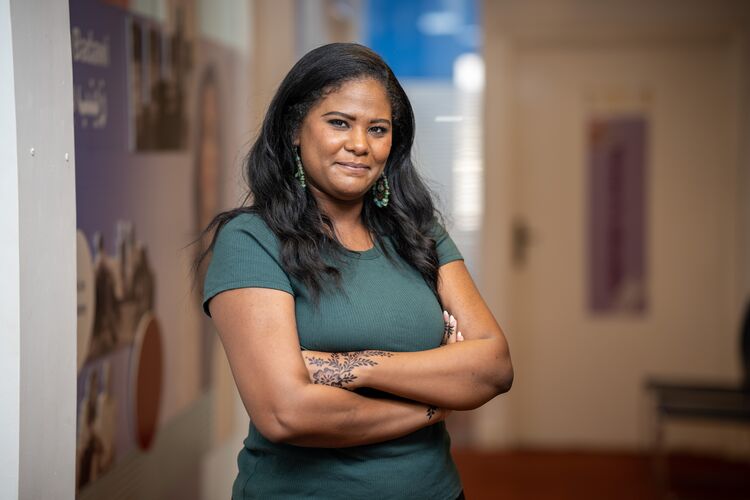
(345, 141)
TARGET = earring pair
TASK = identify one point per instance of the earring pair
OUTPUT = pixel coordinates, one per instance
(381, 191)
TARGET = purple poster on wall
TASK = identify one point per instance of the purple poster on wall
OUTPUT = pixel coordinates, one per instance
(617, 152)
(142, 358)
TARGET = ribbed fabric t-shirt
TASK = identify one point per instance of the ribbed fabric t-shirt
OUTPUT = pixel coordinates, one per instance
(383, 303)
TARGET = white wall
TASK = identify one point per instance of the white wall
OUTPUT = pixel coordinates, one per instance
(10, 340)
(38, 257)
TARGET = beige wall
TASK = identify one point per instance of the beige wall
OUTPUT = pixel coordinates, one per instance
(274, 42)
(579, 381)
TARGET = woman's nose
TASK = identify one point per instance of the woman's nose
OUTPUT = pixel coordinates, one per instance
(357, 142)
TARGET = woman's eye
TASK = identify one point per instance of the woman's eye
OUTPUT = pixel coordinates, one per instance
(337, 123)
(379, 130)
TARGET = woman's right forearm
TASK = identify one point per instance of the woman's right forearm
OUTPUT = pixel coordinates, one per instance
(328, 417)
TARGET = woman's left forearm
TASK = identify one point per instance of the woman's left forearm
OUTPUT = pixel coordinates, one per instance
(458, 376)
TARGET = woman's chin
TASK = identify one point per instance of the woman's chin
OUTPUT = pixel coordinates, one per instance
(350, 192)
(342, 196)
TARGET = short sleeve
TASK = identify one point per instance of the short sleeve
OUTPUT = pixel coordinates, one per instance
(446, 249)
(245, 255)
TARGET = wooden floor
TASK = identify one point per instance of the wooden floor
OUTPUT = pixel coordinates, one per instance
(536, 475)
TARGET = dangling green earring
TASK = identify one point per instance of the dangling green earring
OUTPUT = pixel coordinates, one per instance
(299, 174)
(381, 192)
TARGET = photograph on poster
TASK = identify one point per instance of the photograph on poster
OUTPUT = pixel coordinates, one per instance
(124, 292)
(159, 68)
(97, 424)
(120, 353)
(617, 152)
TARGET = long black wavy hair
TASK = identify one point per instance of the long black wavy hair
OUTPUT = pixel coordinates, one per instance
(291, 212)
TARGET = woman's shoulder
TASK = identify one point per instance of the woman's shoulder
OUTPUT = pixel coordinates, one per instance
(247, 232)
(444, 244)
(245, 255)
(247, 221)
(248, 224)
(437, 229)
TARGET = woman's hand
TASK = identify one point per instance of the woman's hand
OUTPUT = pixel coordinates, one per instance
(435, 414)
(451, 335)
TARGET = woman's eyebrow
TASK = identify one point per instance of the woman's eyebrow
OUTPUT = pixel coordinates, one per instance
(353, 118)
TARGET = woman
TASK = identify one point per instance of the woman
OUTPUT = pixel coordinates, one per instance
(334, 279)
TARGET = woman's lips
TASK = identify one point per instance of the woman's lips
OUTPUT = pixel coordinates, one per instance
(354, 167)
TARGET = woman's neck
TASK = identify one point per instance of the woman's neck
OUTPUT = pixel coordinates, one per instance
(341, 212)
(346, 217)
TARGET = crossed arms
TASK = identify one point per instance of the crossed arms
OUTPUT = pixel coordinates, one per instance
(258, 330)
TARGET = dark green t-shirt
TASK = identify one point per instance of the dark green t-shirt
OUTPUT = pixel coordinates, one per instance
(384, 303)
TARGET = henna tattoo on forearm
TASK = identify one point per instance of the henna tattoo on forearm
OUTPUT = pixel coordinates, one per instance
(431, 411)
(337, 369)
